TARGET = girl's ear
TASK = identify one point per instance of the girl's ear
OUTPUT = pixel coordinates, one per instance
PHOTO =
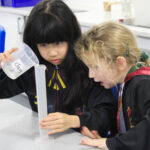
(121, 63)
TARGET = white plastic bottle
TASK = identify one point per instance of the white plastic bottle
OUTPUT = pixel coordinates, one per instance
(126, 9)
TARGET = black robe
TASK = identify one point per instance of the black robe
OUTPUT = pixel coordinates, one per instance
(136, 110)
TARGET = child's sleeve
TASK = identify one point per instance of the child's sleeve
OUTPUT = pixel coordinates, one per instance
(101, 111)
(9, 87)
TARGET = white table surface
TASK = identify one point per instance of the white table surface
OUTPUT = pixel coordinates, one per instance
(19, 130)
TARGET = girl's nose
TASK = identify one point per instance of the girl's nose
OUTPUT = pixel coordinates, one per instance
(53, 53)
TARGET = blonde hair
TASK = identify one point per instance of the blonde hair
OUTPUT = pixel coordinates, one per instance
(108, 41)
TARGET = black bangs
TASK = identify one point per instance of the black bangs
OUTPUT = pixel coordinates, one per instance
(48, 29)
(51, 21)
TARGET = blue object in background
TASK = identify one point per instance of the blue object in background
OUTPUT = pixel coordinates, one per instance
(19, 3)
(2, 39)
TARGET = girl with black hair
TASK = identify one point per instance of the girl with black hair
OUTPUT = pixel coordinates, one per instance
(73, 99)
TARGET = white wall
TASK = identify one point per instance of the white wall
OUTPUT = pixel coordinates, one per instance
(84, 3)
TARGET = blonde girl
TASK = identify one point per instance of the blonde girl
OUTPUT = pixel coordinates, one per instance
(111, 53)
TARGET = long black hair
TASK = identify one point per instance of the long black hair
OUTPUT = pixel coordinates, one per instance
(52, 21)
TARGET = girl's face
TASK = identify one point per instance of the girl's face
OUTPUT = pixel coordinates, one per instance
(53, 52)
(108, 77)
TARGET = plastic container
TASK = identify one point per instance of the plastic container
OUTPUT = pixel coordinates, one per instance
(22, 60)
(2, 39)
(126, 9)
(19, 3)
(41, 94)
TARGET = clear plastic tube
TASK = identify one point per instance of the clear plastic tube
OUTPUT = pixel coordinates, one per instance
(41, 94)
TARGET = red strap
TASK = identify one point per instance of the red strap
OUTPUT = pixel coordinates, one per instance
(118, 117)
(119, 109)
(141, 71)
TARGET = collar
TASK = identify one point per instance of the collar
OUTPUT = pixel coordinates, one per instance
(141, 71)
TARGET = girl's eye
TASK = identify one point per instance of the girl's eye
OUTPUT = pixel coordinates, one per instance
(58, 43)
(43, 44)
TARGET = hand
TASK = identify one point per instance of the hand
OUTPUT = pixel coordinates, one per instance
(4, 57)
(92, 134)
(95, 140)
(59, 122)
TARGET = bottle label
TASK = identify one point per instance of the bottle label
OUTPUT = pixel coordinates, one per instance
(18, 66)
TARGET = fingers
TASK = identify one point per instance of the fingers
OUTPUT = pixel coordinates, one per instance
(4, 57)
(95, 133)
(100, 143)
(55, 131)
(53, 127)
(56, 121)
(1, 57)
(52, 119)
(85, 131)
(54, 116)
(13, 50)
(91, 142)
(51, 124)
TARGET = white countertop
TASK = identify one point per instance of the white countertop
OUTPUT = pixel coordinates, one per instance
(19, 129)
(92, 18)
(87, 17)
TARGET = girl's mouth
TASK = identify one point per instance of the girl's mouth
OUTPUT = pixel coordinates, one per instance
(101, 83)
(54, 61)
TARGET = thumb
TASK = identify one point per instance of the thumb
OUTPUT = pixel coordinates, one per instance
(96, 134)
